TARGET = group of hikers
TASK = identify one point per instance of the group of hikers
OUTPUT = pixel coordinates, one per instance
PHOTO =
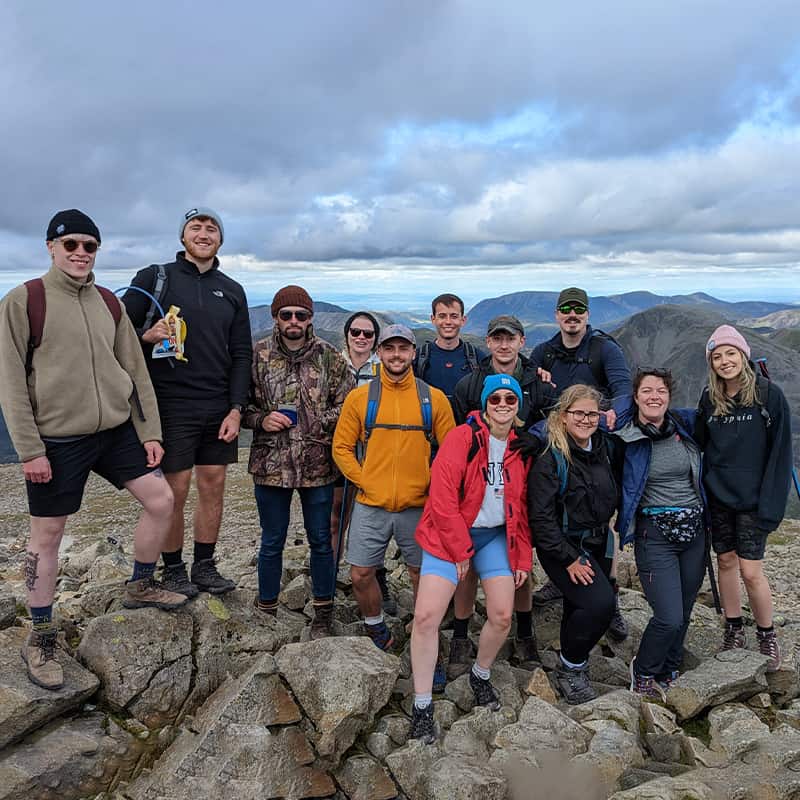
(472, 461)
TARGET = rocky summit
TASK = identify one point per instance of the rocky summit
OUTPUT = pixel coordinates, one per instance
(219, 701)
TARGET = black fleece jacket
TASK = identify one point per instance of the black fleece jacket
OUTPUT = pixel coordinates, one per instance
(590, 499)
(747, 455)
(218, 340)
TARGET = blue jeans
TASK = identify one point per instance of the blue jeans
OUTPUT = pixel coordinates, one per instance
(671, 575)
(274, 504)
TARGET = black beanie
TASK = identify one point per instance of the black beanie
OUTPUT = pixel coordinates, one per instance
(71, 221)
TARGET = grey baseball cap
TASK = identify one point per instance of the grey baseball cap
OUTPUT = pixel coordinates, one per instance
(507, 323)
(397, 332)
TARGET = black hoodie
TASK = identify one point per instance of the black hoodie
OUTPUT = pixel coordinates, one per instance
(747, 454)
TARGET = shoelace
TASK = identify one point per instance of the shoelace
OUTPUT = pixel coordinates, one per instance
(730, 637)
(47, 644)
(768, 645)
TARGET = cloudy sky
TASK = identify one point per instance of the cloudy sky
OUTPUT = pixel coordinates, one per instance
(380, 153)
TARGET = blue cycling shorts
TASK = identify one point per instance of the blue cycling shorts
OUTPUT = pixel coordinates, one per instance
(490, 559)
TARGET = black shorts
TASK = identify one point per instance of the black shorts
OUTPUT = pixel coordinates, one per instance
(736, 531)
(192, 437)
(116, 455)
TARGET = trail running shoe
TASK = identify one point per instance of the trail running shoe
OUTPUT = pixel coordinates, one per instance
(381, 636)
(422, 725)
(485, 694)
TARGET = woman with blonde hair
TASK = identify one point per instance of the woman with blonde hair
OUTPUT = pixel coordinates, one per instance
(572, 495)
(743, 425)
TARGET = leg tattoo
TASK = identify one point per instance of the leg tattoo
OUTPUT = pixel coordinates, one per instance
(31, 570)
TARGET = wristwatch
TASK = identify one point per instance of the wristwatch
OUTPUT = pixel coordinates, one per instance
(237, 407)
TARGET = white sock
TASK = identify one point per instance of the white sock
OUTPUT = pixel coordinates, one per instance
(374, 620)
(422, 701)
(480, 672)
(570, 665)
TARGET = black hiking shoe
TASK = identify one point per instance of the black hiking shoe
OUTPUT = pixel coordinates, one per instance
(734, 637)
(206, 578)
(460, 657)
(574, 684)
(484, 692)
(174, 578)
(422, 725)
(526, 653)
(547, 594)
(322, 624)
(617, 628)
(768, 646)
(388, 602)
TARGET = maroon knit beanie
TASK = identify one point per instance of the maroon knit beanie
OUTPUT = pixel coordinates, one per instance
(291, 296)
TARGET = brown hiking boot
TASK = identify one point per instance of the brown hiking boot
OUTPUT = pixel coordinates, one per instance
(322, 624)
(150, 593)
(39, 654)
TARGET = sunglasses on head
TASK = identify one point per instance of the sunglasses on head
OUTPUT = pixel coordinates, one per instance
(300, 316)
(577, 308)
(367, 333)
(71, 245)
(495, 399)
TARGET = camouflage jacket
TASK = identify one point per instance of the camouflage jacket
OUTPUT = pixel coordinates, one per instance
(315, 379)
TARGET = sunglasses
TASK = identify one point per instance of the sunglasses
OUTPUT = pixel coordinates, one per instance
(367, 333)
(300, 316)
(577, 308)
(580, 416)
(508, 399)
(71, 245)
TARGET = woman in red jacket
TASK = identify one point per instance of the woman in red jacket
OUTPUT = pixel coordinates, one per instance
(476, 512)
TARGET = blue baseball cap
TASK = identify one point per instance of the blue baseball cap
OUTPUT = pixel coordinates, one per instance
(492, 383)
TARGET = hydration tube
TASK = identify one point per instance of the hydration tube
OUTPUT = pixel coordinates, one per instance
(144, 292)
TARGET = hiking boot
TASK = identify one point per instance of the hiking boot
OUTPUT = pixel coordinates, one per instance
(206, 578)
(574, 684)
(460, 657)
(439, 677)
(617, 628)
(547, 594)
(526, 653)
(768, 646)
(381, 636)
(322, 624)
(667, 680)
(175, 579)
(149, 593)
(733, 638)
(646, 686)
(388, 602)
(39, 654)
(422, 726)
(484, 692)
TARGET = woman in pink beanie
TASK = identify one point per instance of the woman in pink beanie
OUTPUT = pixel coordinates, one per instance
(743, 426)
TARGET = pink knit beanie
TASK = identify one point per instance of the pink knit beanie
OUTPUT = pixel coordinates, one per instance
(726, 334)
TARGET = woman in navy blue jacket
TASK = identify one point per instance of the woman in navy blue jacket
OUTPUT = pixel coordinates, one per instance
(743, 425)
(662, 511)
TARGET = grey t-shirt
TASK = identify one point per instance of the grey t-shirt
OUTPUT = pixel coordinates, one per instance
(493, 509)
(669, 482)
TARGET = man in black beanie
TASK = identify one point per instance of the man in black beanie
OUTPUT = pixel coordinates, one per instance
(202, 397)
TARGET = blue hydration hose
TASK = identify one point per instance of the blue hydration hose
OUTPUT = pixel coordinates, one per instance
(144, 292)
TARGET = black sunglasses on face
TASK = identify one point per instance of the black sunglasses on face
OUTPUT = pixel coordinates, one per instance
(577, 308)
(300, 316)
(365, 332)
(71, 245)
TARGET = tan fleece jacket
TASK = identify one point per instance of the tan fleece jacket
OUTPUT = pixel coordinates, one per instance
(84, 372)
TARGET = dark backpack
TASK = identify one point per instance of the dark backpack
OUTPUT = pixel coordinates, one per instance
(595, 360)
(37, 310)
(158, 290)
(424, 356)
(374, 402)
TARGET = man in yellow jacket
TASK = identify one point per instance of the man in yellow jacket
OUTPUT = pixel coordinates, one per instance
(393, 474)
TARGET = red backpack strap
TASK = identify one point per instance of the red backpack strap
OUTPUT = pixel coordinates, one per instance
(112, 301)
(37, 307)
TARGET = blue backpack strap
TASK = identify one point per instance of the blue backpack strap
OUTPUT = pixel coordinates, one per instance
(562, 470)
(424, 394)
(373, 402)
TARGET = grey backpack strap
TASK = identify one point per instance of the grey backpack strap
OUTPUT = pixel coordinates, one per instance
(157, 291)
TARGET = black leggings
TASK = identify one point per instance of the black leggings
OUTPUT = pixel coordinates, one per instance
(587, 609)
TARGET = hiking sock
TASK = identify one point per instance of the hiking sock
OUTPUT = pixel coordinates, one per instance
(735, 622)
(422, 701)
(173, 558)
(571, 665)
(270, 606)
(761, 630)
(322, 601)
(524, 624)
(374, 620)
(42, 616)
(479, 672)
(460, 627)
(203, 551)
(141, 570)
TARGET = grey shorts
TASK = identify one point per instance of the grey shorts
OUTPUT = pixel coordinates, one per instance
(371, 528)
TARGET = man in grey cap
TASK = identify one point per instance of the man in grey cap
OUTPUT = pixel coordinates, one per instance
(385, 421)
(505, 338)
(201, 396)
